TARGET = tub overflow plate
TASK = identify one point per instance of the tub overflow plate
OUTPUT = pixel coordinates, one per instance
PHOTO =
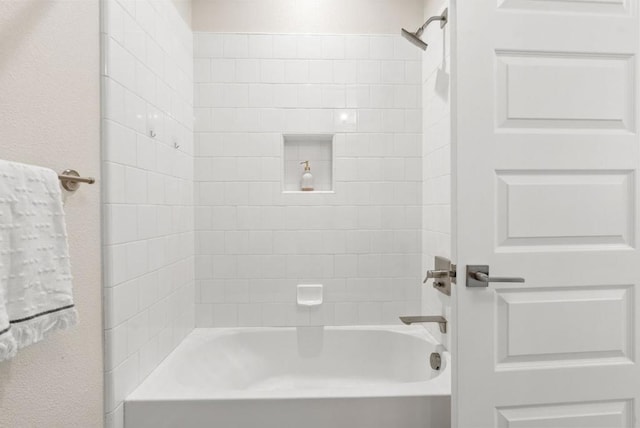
(435, 360)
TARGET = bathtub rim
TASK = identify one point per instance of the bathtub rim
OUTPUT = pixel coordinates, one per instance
(439, 386)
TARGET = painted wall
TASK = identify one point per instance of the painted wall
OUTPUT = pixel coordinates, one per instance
(436, 190)
(307, 17)
(148, 191)
(255, 244)
(50, 116)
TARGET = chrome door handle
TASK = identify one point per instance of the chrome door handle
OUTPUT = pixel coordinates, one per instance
(478, 276)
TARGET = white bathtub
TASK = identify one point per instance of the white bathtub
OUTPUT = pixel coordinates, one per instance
(309, 377)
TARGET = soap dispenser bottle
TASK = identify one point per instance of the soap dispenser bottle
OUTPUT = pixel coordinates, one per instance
(306, 184)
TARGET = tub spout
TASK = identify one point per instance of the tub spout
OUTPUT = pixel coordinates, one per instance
(442, 321)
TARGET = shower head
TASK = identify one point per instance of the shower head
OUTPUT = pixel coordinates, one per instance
(415, 37)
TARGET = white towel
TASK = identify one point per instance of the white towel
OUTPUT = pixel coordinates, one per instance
(35, 272)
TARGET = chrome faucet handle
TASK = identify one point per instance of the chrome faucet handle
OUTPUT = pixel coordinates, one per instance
(439, 274)
(443, 274)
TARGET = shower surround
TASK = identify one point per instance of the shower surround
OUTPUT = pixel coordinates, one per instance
(254, 243)
(147, 171)
(197, 230)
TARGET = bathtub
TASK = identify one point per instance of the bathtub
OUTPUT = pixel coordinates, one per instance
(306, 377)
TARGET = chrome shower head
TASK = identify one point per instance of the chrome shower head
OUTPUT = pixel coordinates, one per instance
(415, 39)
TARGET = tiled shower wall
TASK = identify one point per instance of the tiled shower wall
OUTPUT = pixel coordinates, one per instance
(437, 189)
(254, 243)
(148, 191)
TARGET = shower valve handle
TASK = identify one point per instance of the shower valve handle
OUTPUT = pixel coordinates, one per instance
(437, 274)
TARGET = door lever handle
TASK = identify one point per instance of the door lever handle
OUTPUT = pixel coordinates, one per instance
(482, 277)
(478, 276)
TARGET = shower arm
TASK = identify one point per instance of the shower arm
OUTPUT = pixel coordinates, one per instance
(443, 18)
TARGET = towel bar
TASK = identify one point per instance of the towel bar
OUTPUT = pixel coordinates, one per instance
(71, 180)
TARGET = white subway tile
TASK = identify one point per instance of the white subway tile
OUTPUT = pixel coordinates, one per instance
(247, 70)
(114, 106)
(357, 47)
(285, 46)
(122, 144)
(204, 315)
(413, 73)
(249, 315)
(225, 315)
(260, 46)
(310, 96)
(121, 223)
(310, 46)
(223, 70)
(235, 95)
(211, 291)
(394, 72)
(286, 96)
(405, 50)
(136, 188)
(113, 20)
(333, 47)
(207, 45)
(137, 332)
(296, 71)
(236, 291)
(273, 314)
(154, 57)
(121, 381)
(115, 344)
(345, 71)
(236, 242)
(258, 243)
(201, 70)
(320, 71)
(272, 70)
(346, 313)
(124, 302)
(150, 272)
(261, 95)
(120, 64)
(369, 71)
(333, 96)
(381, 47)
(145, 83)
(149, 357)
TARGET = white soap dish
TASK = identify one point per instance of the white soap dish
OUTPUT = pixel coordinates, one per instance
(309, 294)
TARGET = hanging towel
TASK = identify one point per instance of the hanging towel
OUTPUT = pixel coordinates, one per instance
(35, 273)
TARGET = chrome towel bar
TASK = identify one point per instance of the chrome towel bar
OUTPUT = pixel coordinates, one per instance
(71, 180)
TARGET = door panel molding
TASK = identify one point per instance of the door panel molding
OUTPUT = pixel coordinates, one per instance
(564, 326)
(610, 414)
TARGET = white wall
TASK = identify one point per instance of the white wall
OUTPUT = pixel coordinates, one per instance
(436, 191)
(254, 243)
(148, 191)
(307, 16)
(50, 116)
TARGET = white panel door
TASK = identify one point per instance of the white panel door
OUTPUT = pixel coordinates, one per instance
(546, 155)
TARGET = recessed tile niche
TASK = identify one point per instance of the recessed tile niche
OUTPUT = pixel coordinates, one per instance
(315, 148)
